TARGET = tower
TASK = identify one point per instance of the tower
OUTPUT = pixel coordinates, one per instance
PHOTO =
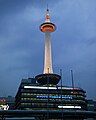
(48, 77)
(47, 27)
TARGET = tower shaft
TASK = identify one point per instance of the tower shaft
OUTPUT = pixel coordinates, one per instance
(48, 54)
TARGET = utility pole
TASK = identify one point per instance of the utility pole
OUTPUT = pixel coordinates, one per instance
(72, 79)
(61, 93)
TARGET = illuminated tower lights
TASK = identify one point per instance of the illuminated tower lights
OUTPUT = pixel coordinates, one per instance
(47, 27)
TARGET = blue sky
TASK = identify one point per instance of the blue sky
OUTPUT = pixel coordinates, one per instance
(73, 42)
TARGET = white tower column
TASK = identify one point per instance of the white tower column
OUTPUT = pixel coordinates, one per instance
(48, 54)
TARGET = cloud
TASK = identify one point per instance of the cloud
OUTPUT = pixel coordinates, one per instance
(22, 43)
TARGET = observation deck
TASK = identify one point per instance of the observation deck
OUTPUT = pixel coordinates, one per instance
(48, 26)
(48, 79)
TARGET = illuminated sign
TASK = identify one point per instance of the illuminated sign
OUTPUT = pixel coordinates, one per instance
(3, 100)
(38, 87)
(68, 88)
(46, 87)
(54, 97)
(79, 107)
(4, 107)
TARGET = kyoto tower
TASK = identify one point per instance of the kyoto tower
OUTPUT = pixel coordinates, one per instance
(48, 77)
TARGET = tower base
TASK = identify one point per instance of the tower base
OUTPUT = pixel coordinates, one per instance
(48, 79)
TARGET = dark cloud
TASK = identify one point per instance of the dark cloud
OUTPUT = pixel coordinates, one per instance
(22, 43)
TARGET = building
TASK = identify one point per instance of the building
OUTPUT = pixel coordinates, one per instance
(43, 92)
(33, 96)
(91, 105)
(7, 103)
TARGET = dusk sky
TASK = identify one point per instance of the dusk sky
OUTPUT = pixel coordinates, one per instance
(73, 42)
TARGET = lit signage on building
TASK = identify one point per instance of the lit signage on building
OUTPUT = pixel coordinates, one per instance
(4, 107)
(54, 97)
(46, 87)
(38, 87)
(78, 107)
(2, 100)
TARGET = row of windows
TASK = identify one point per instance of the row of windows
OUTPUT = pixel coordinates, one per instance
(52, 99)
(31, 94)
(44, 104)
(53, 91)
(37, 104)
(37, 99)
(77, 93)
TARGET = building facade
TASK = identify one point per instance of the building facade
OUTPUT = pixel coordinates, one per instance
(31, 96)
(91, 105)
(7, 103)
